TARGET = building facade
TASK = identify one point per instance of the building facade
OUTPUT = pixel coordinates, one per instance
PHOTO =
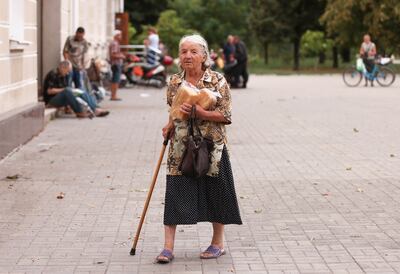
(32, 36)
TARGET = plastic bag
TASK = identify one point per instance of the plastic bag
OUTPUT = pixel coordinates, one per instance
(360, 66)
(385, 60)
(187, 93)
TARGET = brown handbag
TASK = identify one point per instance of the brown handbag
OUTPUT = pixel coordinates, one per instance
(196, 158)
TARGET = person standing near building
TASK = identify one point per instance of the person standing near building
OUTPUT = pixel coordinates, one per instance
(75, 49)
(116, 59)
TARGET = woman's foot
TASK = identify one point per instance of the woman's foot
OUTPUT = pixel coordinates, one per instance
(212, 252)
(165, 256)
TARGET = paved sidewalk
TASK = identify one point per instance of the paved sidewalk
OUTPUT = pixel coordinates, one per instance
(317, 169)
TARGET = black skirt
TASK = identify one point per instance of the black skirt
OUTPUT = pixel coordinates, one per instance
(209, 199)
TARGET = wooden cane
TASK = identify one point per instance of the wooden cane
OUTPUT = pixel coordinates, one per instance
(146, 205)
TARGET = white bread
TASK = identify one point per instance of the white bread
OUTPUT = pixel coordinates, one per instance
(186, 94)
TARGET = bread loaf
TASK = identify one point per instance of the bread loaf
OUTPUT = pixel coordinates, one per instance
(186, 94)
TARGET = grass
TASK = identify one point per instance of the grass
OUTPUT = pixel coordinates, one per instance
(281, 66)
(285, 67)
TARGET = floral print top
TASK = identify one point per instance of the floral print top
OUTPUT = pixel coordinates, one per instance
(214, 130)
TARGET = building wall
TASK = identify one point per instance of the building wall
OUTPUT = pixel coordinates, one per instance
(18, 68)
(96, 16)
(41, 27)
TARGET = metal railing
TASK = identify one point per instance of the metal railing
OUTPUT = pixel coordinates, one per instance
(141, 51)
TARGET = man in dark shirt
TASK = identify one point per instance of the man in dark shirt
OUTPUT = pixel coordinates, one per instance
(241, 67)
(56, 92)
(229, 50)
(229, 60)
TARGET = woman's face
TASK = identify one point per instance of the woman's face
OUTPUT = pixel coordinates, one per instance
(191, 56)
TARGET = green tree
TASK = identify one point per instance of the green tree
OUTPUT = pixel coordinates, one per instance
(144, 12)
(314, 44)
(290, 20)
(347, 21)
(214, 19)
(265, 24)
(171, 28)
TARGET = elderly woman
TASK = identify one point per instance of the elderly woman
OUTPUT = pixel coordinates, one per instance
(211, 198)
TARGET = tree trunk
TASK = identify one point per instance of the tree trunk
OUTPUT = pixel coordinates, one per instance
(296, 53)
(322, 58)
(266, 55)
(346, 55)
(335, 57)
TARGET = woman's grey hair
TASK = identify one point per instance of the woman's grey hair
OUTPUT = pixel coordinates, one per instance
(199, 40)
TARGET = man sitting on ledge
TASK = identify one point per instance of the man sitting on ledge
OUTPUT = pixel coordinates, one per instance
(57, 94)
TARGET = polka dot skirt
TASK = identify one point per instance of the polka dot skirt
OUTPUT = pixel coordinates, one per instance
(209, 199)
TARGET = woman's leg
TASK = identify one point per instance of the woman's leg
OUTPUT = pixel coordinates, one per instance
(169, 231)
(169, 239)
(218, 235)
(217, 239)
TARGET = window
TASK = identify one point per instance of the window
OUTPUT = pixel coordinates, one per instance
(17, 20)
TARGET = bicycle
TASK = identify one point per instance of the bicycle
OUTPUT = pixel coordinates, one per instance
(385, 76)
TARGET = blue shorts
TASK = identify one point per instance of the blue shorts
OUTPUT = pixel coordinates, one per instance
(116, 73)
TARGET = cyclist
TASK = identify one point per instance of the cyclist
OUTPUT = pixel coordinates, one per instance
(368, 53)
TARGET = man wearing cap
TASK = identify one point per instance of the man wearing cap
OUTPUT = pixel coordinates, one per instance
(116, 58)
(75, 48)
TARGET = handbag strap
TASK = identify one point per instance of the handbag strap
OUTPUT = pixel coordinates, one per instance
(193, 123)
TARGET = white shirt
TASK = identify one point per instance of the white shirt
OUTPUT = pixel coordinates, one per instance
(154, 40)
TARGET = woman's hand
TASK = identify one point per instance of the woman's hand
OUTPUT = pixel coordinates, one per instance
(168, 130)
(187, 109)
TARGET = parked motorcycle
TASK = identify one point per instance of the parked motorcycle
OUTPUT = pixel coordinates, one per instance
(138, 72)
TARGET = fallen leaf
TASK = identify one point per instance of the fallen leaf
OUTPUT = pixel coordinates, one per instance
(392, 155)
(99, 262)
(13, 177)
(181, 230)
(61, 195)
(355, 236)
(360, 190)
(348, 168)
(244, 197)
(112, 188)
(355, 130)
(325, 194)
(121, 244)
(141, 190)
(258, 211)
